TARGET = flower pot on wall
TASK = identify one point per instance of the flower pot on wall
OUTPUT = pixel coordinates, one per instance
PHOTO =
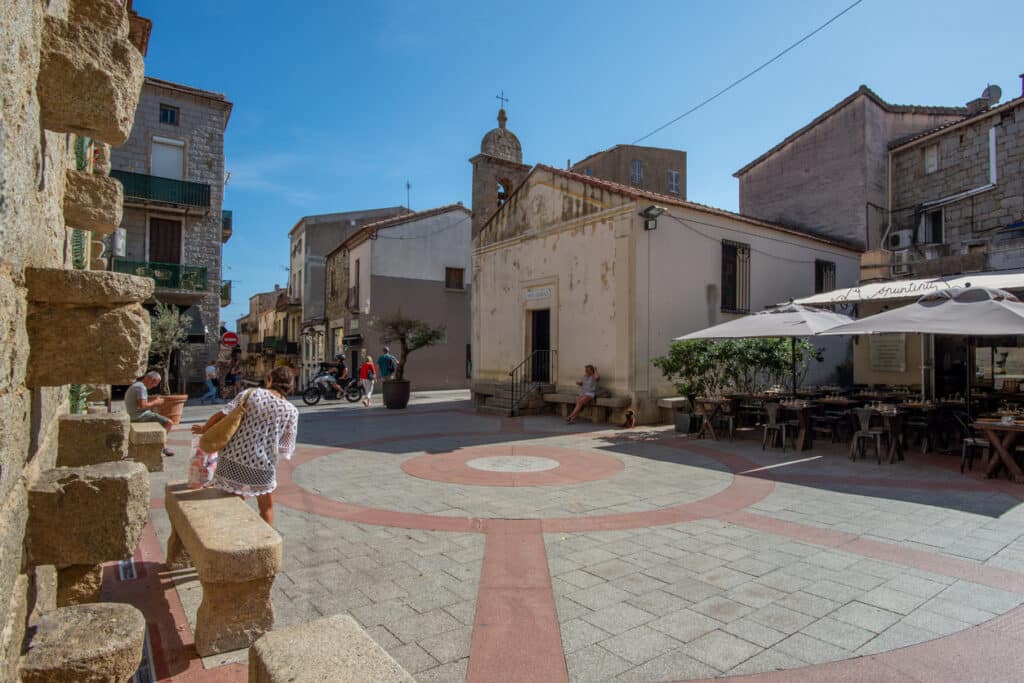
(395, 393)
(171, 407)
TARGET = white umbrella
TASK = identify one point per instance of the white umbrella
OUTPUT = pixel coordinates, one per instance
(966, 311)
(787, 320)
(971, 311)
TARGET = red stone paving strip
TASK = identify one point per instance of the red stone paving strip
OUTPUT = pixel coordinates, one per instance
(516, 636)
(170, 638)
(575, 466)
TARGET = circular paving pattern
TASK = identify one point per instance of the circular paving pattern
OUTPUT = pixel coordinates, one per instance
(513, 465)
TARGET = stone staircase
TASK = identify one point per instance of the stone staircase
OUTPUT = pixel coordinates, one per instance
(500, 401)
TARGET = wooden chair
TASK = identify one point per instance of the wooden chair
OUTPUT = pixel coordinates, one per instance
(727, 416)
(866, 432)
(827, 423)
(777, 428)
(971, 442)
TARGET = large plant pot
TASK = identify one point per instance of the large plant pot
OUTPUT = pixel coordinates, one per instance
(684, 422)
(172, 406)
(395, 393)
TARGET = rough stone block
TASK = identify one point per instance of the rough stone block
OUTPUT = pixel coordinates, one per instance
(101, 159)
(99, 392)
(90, 75)
(332, 649)
(85, 643)
(79, 584)
(86, 288)
(150, 455)
(86, 345)
(233, 615)
(93, 438)
(87, 515)
(44, 592)
(92, 202)
(147, 433)
(12, 629)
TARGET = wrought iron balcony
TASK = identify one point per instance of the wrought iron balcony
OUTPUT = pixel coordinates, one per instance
(268, 343)
(166, 275)
(139, 187)
(226, 225)
(225, 293)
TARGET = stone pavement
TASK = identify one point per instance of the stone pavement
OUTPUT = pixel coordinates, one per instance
(482, 548)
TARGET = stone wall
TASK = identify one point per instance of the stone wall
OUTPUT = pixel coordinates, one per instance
(964, 165)
(33, 166)
(616, 164)
(202, 118)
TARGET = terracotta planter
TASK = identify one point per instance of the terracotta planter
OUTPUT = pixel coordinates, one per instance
(172, 406)
(395, 393)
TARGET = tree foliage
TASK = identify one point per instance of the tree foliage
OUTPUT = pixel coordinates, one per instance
(410, 334)
(711, 367)
(168, 333)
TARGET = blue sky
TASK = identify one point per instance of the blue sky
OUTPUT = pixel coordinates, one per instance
(336, 104)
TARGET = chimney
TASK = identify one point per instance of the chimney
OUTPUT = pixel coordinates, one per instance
(1021, 77)
(978, 105)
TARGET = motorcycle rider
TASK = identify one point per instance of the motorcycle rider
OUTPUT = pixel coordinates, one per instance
(340, 373)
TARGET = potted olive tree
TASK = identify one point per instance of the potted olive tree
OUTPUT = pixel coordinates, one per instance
(168, 334)
(410, 335)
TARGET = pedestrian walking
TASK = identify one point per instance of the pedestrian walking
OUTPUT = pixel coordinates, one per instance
(212, 380)
(387, 363)
(247, 465)
(367, 374)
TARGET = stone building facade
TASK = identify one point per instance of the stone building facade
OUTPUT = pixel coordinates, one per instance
(497, 171)
(172, 168)
(418, 265)
(263, 334)
(656, 169)
(829, 177)
(958, 196)
(71, 76)
(310, 240)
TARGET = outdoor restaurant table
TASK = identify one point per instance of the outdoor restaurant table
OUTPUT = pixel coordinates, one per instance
(803, 410)
(838, 401)
(709, 409)
(1002, 436)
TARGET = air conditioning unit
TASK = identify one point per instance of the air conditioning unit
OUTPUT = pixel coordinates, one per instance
(901, 262)
(900, 239)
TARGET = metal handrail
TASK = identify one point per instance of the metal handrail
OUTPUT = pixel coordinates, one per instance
(537, 368)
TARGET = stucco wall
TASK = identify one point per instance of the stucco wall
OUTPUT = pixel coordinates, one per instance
(422, 249)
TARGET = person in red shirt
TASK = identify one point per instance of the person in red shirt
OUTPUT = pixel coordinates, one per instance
(367, 373)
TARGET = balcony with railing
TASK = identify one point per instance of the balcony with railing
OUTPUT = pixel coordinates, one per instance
(176, 276)
(225, 293)
(226, 226)
(279, 345)
(140, 188)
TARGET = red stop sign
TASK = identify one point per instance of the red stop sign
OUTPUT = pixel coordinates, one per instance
(229, 339)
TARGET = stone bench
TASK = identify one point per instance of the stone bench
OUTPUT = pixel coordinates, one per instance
(670, 405)
(596, 411)
(236, 555)
(333, 649)
(146, 441)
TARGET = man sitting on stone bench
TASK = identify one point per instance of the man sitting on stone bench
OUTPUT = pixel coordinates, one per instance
(137, 403)
(588, 391)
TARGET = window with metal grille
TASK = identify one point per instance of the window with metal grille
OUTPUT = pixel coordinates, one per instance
(636, 175)
(824, 276)
(453, 278)
(735, 277)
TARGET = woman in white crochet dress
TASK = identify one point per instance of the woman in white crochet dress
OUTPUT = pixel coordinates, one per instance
(247, 466)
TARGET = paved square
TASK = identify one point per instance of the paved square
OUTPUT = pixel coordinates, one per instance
(690, 559)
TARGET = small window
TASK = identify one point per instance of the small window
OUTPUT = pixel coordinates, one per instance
(931, 229)
(636, 175)
(931, 158)
(824, 276)
(735, 277)
(673, 182)
(589, 172)
(453, 278)
(168, 114)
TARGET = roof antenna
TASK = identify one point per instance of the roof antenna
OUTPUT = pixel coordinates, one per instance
(408, 187)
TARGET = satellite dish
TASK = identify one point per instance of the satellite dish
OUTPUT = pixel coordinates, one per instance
(992, 93)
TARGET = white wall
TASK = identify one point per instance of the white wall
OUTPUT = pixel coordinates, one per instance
(422, 249)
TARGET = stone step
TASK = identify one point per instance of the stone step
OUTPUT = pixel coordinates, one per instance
(493, 410)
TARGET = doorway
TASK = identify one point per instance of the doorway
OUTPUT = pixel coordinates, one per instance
(540, 340)
(164, 240)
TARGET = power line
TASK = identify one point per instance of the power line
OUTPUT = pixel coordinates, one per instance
(420, 236)
(686, 223)
(740, 80)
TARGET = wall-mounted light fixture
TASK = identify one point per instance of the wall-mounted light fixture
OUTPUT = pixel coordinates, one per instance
(650, 215)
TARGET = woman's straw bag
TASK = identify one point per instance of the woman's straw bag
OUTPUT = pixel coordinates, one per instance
(216, 437)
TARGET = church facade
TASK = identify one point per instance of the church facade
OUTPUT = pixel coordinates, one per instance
(565, 262)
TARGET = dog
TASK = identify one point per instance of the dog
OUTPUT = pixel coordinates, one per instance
(630, 420)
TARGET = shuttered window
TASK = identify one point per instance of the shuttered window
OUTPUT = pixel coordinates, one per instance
(735, 277)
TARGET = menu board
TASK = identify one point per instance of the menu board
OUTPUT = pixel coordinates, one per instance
(888, 352)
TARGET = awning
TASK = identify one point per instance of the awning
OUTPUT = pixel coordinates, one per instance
(914, 289)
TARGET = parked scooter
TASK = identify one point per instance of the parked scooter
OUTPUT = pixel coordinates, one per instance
(320, 388)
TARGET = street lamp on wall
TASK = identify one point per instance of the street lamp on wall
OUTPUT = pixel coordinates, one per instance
(650, 216)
